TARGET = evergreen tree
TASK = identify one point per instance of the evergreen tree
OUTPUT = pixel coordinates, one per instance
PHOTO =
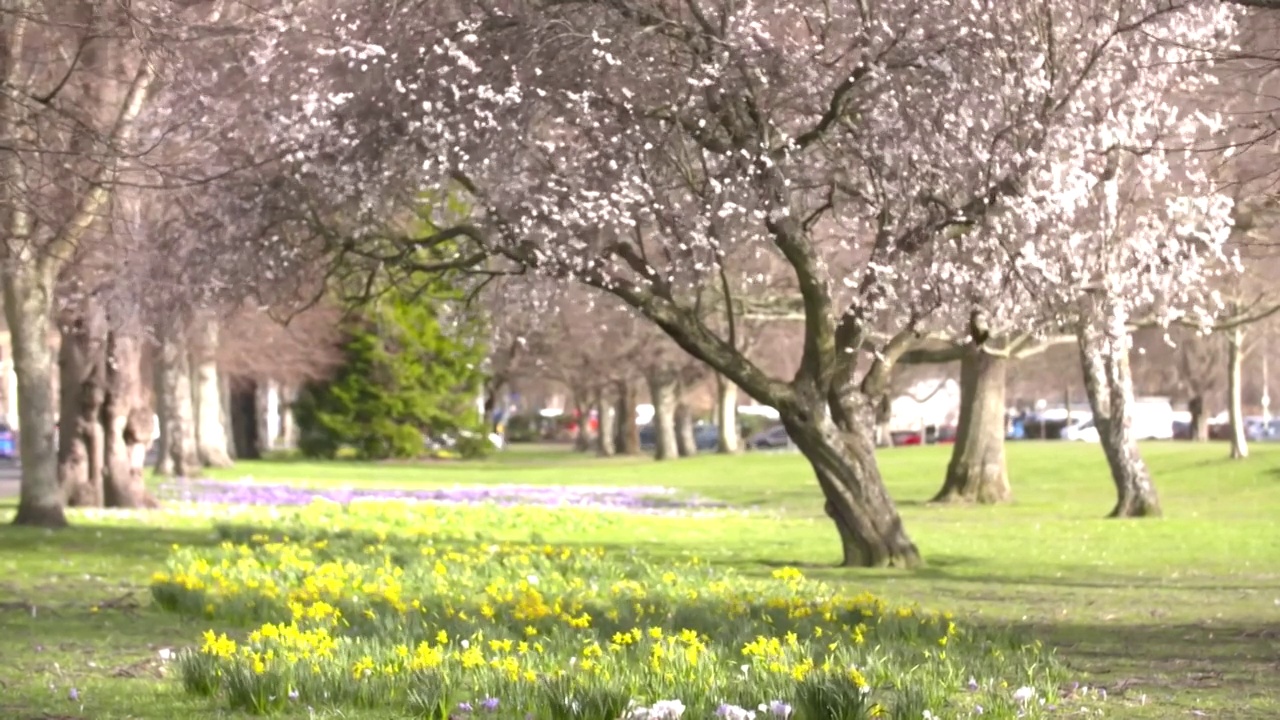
(411, 370)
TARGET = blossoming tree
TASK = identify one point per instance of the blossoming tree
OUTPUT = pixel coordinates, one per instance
(888, 158)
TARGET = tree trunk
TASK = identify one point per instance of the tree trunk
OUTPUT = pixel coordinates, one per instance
(1199, 419)
(164, 459)
(284, 409)
(843, 459)
(28, 306)
(127, 425)
(662, 393)
(211, 433)
(1109, 383)
(244, 421)
(582, 438)
(628, 430)
(884, 415)
(977, 468)
(227, 415)
(727, 439)
(262, 410)
(686, 438)
(173, 395)
(606, 433)
(82, 378)
(1235, 385)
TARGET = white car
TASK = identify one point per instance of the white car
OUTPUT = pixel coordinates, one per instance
(1081, 431)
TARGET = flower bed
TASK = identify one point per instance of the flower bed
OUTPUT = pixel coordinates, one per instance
(352, 612)
(633, 499)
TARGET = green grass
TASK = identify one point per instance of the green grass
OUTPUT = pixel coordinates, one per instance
(1182, 611)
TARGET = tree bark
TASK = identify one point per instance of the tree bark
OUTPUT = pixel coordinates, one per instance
(82, 366)
(244, 420)
(1235, 401)
(686, 438)
(211, 432)
(606, 433)
(127, 425)
(227, 415)
(173, 396)
(842, 455)
(28, 305)
(1199, 419)
(164, 458)
(727, 439)
(262, 415)
(884, 415)
(628, 431)
(662, 393)
(285, 395)
(1108, 381)
(977, 471)
(582, 438)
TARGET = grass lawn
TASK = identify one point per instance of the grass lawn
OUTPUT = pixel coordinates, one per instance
(1179, 617)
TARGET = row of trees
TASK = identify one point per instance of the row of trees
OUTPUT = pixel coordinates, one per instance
(889, 173)
(885, 176)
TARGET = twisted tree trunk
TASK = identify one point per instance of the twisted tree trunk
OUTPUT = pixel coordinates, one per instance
(82, 367)
(977, 471)
(126, 421)
(1104, 354)
(841, 451)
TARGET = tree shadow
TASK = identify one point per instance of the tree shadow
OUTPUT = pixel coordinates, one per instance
(66, 574)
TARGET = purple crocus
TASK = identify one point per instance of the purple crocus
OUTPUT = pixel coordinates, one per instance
(646, 499)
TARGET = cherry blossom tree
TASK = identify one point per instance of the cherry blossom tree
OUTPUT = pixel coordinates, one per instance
(76, 79)
(890, 157)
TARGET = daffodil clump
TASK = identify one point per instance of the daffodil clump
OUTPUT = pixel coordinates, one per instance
(444, 629)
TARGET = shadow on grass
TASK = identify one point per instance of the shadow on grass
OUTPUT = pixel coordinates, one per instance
(66, 574)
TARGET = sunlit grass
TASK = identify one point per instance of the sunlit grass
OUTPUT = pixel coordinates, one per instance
(1181, 610)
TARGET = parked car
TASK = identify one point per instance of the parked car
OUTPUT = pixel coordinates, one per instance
(706, 437)
(769, 439)
(1082, 431)
(906, 437)
(1255, 430)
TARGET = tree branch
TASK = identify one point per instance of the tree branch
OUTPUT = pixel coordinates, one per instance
(68, 238)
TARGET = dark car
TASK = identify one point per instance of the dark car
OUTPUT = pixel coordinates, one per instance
(705, 437)
(769, 439)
